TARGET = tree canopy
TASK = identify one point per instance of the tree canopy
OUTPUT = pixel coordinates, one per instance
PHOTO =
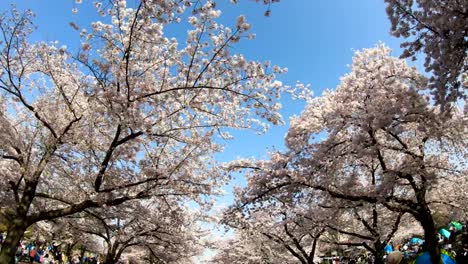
(114, 142)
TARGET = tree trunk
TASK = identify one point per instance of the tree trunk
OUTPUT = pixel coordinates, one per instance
(15, 232)
(424, 216)
(310, 259)
(379, 253)
(431, 242)
(18, 224)
(82, 254)
(110, 259)
(111, 256)
(69, 250)
(119, 253)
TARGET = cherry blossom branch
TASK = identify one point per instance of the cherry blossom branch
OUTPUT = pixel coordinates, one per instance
(79, 207)
(350, 233)
(192, 59)
(128, 51)
(295, 241)
(413, 16)
(366, 224)
(133, 184)
(395, 227)
(112, 147)
(280, 241)
(226, 42)
(11, 157)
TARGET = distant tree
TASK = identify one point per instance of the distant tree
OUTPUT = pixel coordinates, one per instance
(311, 213)
(252, 248)
(370, 226)
(168, 232)
(439, 29)
(133, 114)
(287, 227)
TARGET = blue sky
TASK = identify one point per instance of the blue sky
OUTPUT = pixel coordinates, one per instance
(315, 40)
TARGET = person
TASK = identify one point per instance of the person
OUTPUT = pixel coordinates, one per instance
(48, 259)
(59, 256)
(454, 233)
(388, 248)
(24, 251)
(395, 257)
(425, 258)
(39, 255)
(32, 254)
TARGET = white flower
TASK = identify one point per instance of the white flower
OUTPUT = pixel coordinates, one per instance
(240, 21)
(215, 13)
(251, 36)
(277, 84)
(192, 20)
(245, 26)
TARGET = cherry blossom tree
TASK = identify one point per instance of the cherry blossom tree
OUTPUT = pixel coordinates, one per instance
(133, 114)
(167, 231)
(287, 222)
(286, 227)
(439, 29)
(376, 118)
(370, 226)
(312, 213)
(248, 247)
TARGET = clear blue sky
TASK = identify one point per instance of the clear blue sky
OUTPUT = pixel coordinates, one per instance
(315, 40)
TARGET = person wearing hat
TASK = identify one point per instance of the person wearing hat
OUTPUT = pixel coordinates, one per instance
(395, 257)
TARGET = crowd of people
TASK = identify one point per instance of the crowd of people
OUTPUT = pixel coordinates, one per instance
(37, 251)
(453, 241)
(454, 248)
